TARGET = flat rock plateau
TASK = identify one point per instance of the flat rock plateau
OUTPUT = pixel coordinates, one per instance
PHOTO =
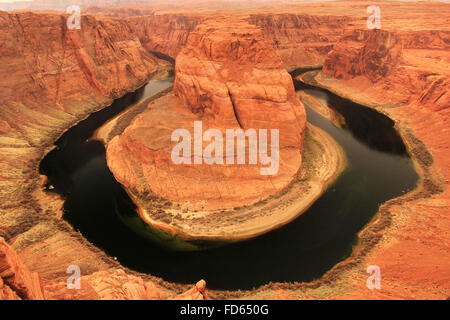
(52, 78)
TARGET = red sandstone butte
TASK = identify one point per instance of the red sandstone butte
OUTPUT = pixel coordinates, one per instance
(228, 77)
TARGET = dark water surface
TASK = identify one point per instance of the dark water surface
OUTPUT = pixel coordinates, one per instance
(379, 169)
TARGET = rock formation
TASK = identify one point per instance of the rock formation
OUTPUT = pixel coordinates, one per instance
(51, 78)
(301, 40)
(16, 281)
(165, 33)
(404, 62)
(48, 71)
(404, 74)
(228, 77)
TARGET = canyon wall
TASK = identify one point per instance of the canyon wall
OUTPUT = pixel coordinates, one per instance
(405, 75)
(165, 33)
(50, 73)
(17, 282)
(301, 40)
(405, 63)
(50, 79)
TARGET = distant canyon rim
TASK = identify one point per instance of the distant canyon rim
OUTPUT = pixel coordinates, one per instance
(231, 71)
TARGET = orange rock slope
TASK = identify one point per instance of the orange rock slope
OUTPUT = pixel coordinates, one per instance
(17, 282)
(301, 40)
(404, 74)
(50, 79)
(227, 77)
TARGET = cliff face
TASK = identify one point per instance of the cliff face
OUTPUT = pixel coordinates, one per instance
(301, 40)
(49, 71)
(360, 52)
(165, 33)
(405, 63)
(16, 281)
(228, 77)
(50, 79)
(231, 76)
(405, 74)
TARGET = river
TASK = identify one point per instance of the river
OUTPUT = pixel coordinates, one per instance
(379, 169)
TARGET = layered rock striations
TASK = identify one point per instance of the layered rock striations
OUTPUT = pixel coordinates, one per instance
(164, 33)
(406, 63)
(49, 71)
(401, 70)
(405, 75)
(16, 280)
(227, 77)
(301, 40)
(50, 79)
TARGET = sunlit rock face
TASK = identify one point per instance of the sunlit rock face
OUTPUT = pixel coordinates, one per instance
(50, 79)
(300, 39)
(16, 280)
(405, 74)
(228, 77)
(51, 74)
(407, 64)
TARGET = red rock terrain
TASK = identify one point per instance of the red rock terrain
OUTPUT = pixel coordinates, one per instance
(18, 282)
(301, 40)
(52, 78)
(228, 77)
(165, 33)
(404, 74)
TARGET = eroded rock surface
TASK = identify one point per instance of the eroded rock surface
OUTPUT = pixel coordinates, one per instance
(229, 78)
(301, 40)
(404, 74)
(16, 280)
(412, 251)
(50, 79)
